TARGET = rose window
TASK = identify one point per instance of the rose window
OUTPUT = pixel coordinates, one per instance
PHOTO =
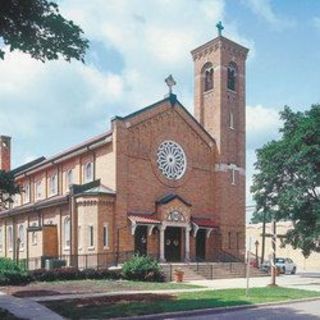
(172, 160)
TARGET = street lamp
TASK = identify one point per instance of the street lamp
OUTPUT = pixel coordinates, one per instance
(257, 258)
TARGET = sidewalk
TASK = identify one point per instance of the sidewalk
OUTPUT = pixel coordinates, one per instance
(299, 281)
(27, 309)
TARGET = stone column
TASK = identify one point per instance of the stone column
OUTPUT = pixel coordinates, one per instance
(187, 244)
(162, 257)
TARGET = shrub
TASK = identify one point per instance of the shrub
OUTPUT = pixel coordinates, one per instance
(55, 274)
(12, 277)
(12, 273)
(142, 268)
(63, 274)
(9, 264)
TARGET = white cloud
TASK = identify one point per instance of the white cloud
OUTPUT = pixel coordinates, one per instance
(262, 125)
(264, 9)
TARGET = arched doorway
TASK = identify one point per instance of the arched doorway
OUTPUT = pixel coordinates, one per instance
(140, 240)
(173, 244)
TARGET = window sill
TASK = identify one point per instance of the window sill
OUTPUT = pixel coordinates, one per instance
(232, 128)
(208, 91)
(34, 244)
(91, 248)
(231, 91)
(10, 250)
(66, 249)
(106, 248)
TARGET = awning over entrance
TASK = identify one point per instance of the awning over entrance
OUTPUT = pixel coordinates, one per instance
(143, 220)
(203, 223)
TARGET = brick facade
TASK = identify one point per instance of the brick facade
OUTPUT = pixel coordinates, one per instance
(123, 165)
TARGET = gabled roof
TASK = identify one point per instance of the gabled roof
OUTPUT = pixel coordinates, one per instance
(171, 196)
(28, 165)
(174, 102)
(45, 161)
(90, 189)
(46, 203)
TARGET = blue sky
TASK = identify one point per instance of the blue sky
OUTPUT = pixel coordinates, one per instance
(135, 44)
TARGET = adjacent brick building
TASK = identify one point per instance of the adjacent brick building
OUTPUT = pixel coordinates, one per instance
(160, 182)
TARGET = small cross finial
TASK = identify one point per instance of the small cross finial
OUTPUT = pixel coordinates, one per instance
(170, 83)
(220, 27)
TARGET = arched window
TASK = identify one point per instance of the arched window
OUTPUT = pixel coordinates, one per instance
(69, 178)
(207, 76)
(232, 76)
(26, 196)
(34, 238)
(53, 184)
(88, 172)
(10, 238)
(66, 232)
(21, 236)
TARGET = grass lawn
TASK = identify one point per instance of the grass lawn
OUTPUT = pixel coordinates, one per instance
(5, 315)
(104, 308)
(88, 286)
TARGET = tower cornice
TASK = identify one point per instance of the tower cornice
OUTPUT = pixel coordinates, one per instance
(222, 43)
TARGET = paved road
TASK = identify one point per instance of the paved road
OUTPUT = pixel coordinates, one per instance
(293, 311)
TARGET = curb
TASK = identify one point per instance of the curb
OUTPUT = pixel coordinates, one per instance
(202, 312)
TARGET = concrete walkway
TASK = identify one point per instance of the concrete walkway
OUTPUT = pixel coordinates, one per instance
(298, 281)
(27, 309)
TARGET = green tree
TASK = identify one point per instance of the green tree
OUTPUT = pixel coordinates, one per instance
(8, 188)
(36, 27)
(287, 183)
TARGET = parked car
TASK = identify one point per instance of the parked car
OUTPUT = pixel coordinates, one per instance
(284, 265)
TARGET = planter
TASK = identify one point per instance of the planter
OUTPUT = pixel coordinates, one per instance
(178, 275)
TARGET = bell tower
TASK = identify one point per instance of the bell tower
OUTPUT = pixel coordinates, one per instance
(219, 106)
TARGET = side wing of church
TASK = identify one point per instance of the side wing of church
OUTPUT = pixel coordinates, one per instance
(161, 182)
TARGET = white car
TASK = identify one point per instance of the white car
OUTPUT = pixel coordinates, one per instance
(285, 265)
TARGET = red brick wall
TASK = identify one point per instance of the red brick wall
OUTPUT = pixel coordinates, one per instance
(213, 109)
(5, 153)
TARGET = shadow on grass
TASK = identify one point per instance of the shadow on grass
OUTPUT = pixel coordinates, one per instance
(35, 293)
(135, 306)
(142, 304)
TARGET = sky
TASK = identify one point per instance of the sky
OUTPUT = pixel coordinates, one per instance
(135, 45)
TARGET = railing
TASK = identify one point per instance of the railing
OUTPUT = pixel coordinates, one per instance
(106, 260)
(81, 261)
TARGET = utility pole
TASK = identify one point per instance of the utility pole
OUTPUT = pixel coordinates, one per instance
(248, 267)
(273, 262)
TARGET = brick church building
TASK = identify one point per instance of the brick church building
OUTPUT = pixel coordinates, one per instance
(161, 182)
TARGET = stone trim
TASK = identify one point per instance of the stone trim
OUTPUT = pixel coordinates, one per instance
(224, 167)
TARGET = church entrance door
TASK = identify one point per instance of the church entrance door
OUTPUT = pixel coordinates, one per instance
(172, 244)
(201, 245)
(140, 240)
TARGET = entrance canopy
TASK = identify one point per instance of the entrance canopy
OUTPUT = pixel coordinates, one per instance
(143, 220)
(203, 223)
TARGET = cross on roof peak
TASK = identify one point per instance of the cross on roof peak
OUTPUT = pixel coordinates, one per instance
(170, 83)
(220, 27)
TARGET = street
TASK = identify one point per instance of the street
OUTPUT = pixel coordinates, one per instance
(293, 311)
